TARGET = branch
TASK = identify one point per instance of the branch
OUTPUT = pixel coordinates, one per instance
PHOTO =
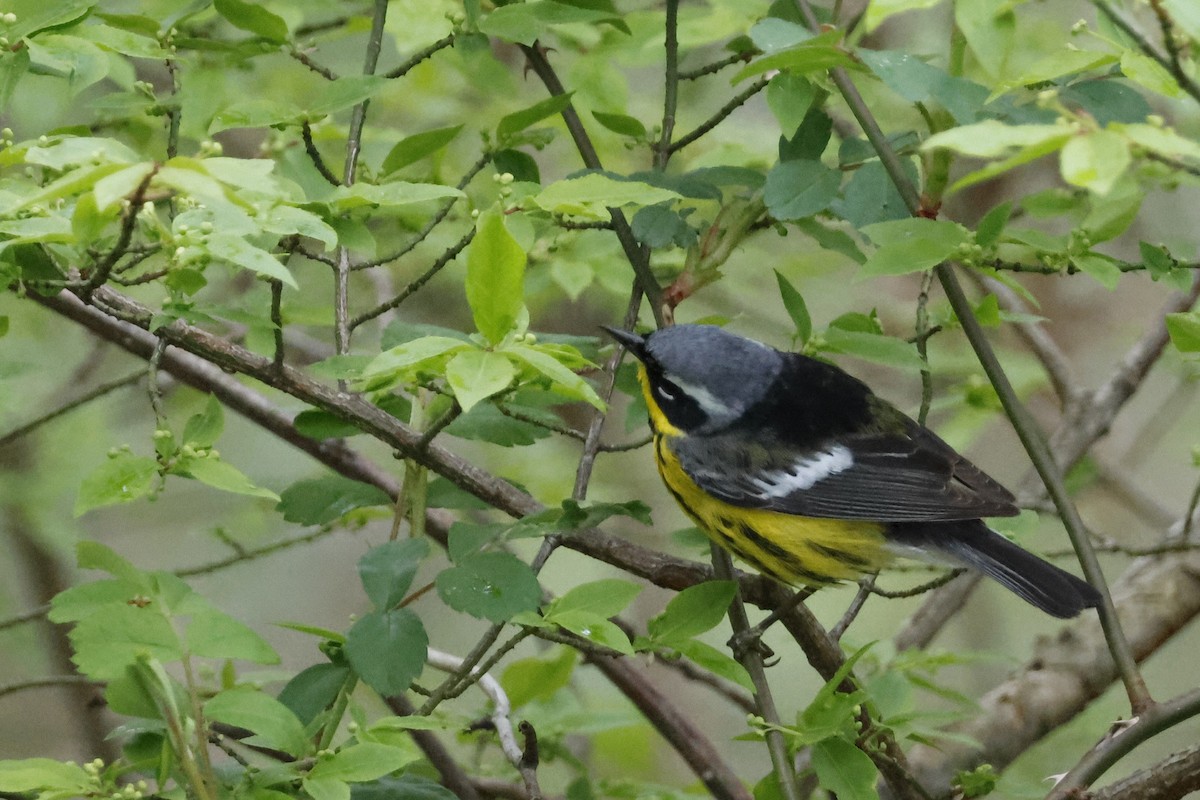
(1185, 82)
(1170, 779)
(1156, 597)
(66, 408)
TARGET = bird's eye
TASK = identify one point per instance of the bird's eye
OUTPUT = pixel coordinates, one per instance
(667, 391)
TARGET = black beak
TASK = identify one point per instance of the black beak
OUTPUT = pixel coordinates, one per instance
(628, 339)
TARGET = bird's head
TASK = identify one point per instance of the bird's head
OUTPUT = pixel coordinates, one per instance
(701, 377)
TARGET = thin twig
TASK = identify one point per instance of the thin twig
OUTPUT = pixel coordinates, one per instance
(865, 587)
(420, 55)
(66, 408)
(439, 263)
(716, 119)
(322, 70)
(99, 273)
(716, 66)
(314, 155)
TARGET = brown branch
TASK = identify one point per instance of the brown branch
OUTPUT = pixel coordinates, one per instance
(1170, 779)
(419, 56)
(716, 119)
(314, 155)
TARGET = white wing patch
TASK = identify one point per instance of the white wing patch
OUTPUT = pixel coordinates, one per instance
(805, 473)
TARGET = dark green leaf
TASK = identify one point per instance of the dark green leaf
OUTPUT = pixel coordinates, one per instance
(319, 424)
(810, 139)
(797, 189)
(793, 302)
(790, 97)
(832, 239)
(844, 769)
(662, 226)
(693, 611)
(622, 124)
(254, 18)
(318, 501)
(312, 690)
(413, 148)
(520, 120)
(520, 165)
(387, 570)
(987, 233)
(486, 423)
(870, 195)
(493, 586)
(441, 493)
(1157, 259)
(388, 649)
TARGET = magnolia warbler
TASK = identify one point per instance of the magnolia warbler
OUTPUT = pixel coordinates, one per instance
(801, 471)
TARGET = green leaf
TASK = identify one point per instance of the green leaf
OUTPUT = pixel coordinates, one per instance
(1095, 161)
(361, 762)
(254, 18)
(273, 723)
(326, 789)
(1184, 328)
(660, 226)
(1102, 268)
(593, 194)
(106, 643)
(606, 598)
(203, 429)
(538, 677)
(412, 149)
(876, 348)
(122, 478)
(622, 124)
(4, 323)
(817, 54)
(95, 555)
(221, 475)
(518, 121)
(240, 253)
(1163, 141)
(988, 231)
(595, 628)
(525, 22)
(715, 661)
(1157, 259)
(561, 377)
(388, 649)
(495, 277)
(475, 375)
(313, 689)
(880, 10)
(493, 586)
(404, 359)
(387, 570)
(693, 611)
(912, 245)
(408, 786)
(796, 308)
(844, 770)
(319, 501)
(393, 194)
(992, 138)
(797, 189)
(215, 634)
(1056, 65)
(36, 774)
(1149, 74)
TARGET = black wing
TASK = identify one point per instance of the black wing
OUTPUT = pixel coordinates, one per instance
(907, 476)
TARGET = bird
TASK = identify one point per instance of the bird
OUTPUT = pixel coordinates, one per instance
(801, 471)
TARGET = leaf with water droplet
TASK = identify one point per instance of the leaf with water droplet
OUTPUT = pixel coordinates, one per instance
(492, 586)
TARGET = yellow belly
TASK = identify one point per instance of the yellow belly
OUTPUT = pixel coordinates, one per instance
(789, 548)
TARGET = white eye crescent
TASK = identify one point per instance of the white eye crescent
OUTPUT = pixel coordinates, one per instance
(664, 392)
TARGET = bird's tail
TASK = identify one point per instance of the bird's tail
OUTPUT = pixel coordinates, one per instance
(972, 544)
